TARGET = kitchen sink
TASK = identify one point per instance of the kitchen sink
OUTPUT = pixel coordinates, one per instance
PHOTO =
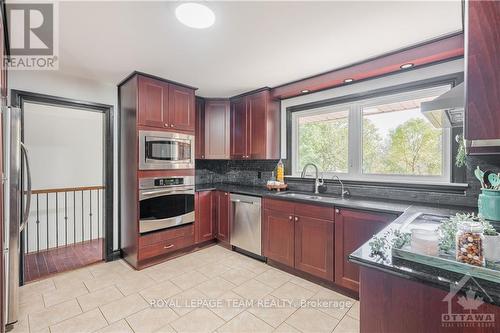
(303, 196)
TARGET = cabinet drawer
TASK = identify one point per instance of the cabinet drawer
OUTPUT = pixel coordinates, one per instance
(315, 211)
(166, 235)
(282, 206)
(165, 246)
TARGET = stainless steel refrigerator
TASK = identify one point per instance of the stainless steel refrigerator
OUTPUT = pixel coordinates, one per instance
(17, 196)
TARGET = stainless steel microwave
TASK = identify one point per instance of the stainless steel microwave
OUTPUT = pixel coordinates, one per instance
(165, 150)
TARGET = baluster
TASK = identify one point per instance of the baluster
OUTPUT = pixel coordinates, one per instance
(82, 217)
(57, 220)
(26, 234)
(37, 225)
(47, 216)
(66, 218)
(74, 217)
(90, 214)
(98, 216)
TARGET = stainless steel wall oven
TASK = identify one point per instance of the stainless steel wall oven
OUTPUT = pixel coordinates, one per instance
(165, 202)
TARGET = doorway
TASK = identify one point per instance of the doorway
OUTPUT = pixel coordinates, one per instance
(70, 144)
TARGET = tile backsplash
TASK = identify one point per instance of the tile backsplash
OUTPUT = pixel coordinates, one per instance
(257, 173)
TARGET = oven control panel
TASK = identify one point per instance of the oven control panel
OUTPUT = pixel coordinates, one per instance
(156, 182)
(168, 181)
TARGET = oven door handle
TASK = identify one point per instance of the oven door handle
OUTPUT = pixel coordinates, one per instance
(157, 193)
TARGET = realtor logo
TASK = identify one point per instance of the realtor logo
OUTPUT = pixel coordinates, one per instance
(32, 36)
(471, 303)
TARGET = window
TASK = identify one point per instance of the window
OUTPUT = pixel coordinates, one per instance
(383, 138)
(323, 139)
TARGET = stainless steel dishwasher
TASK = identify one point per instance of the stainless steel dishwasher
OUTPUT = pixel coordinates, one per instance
(246, 228)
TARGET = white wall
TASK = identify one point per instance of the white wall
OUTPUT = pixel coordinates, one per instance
(57, 84)
(429, 72)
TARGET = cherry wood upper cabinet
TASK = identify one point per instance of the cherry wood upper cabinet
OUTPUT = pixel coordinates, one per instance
(153, 102)
(482, 111)
(181, 108)
(223, 216)
(164, 104)
(353, 228)
(204, 216)
(255, 126)
(239, 129)
(217, 129)
(199, 150)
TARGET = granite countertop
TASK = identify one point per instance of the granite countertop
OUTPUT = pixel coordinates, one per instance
(430, 275)
(385, 206)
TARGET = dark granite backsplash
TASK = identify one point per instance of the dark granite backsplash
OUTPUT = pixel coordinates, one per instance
(251, 172)
(257, 173)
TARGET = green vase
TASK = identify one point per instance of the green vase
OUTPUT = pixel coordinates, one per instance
(489, 204)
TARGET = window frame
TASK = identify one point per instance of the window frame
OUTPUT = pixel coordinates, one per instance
(355, 147)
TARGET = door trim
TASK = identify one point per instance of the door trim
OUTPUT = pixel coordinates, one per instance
(19, 97)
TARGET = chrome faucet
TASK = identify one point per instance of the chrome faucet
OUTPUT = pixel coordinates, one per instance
(344, 191)
(316, 181)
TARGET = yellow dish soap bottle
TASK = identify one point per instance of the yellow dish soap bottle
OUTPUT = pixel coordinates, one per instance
(280, 172)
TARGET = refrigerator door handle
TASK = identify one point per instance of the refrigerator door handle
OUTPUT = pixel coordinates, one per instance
(28, 191)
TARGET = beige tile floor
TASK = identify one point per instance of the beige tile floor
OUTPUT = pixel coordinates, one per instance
(212, 290)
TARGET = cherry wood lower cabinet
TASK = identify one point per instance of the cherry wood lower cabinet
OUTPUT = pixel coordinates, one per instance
(163, 242)
(204, 216)
(391, 304)
(299, 236)
(353, 228)
(314, 246)
(278, 239)
(223, 214)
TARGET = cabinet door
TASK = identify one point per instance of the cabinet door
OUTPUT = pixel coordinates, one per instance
(257, 125)
(200, 129)
(204, 216)
(482, 114)
(153, 103)
(181, 108)
(353, 228)
(239, 130)
(278, 236)
(217, 129)
(314, 246)
(223, 216)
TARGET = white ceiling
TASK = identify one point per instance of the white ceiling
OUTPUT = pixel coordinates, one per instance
(251, 45)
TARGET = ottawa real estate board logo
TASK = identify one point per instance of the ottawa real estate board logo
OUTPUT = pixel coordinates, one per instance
(33, 36)
(472, 314)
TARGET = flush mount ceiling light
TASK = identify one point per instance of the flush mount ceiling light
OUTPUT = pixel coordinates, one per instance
(348, 80)
(406, 66)
(305, 91)
(195, 15)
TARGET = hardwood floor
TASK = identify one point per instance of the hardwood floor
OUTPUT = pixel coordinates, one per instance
(38, 265)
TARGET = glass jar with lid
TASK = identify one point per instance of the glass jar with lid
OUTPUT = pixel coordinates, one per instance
(470, 242)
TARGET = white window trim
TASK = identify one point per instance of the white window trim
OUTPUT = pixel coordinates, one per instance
(355, 150)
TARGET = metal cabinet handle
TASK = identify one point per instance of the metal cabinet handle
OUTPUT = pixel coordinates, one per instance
(225, 193)
(168, 246)
(290, 217)
(166, 125)
(337, 211)
(171, 125)
(296, 218)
